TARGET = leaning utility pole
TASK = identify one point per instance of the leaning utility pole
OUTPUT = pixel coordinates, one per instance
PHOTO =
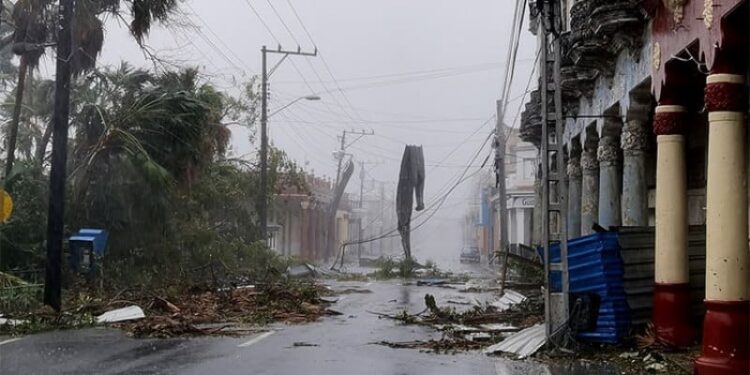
(340, 156)
(344, 146)
(502, 218)
(55, 218)
(264, 198)
(359, 217)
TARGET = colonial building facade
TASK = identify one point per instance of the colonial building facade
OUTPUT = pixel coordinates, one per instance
(655, 106)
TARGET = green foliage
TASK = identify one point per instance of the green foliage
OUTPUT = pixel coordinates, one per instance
(18, 295)
(148, 164)
(389, 268)
(385, 268)
(22, 241)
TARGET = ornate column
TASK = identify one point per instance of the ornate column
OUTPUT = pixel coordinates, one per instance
(671, 314)
(609, 181)
(634, 142)
(726, 330)
(574, 196)
(589, 191)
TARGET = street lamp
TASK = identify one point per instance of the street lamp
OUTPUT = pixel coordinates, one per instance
(263, 199)
(308, 97)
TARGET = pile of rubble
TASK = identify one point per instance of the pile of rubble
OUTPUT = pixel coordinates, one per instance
(199, 312)
(477, 327)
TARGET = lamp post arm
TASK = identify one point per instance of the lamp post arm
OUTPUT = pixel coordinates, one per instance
(285, 107)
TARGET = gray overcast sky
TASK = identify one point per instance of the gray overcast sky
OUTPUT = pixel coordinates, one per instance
(419, 71)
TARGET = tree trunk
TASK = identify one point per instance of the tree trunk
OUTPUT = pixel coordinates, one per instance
(41, 147)
(13, 136)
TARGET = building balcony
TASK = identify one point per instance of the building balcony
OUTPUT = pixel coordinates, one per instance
(602, 29)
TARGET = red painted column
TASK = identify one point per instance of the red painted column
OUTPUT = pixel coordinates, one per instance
(726, 331)
(671, 312)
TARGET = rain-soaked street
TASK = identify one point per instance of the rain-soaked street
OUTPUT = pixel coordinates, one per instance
(344, 344)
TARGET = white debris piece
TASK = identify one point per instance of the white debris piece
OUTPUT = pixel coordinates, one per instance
(498, 327)
(11, 322)
(523, 343)
(121, 315)
(656, 367)
(509, 298)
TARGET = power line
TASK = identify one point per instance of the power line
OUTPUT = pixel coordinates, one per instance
(221, 41)
(426, 72)
(288, 30)
(322, 58)
(436, 204)
(271, 33)
(262, 21)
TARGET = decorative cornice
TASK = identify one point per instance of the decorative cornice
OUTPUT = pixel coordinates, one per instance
(635, 137)
(608, 151)
(589, 163)
(574, 167)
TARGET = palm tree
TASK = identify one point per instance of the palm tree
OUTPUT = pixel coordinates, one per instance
(29, 37)
(34, 22)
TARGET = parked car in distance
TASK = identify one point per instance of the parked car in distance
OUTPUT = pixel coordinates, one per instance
(470, 254)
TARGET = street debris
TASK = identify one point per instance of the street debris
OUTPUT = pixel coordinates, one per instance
(445, 345)
(433, 282)
(301, 271)
(303, 344)
(11, 322)
(523, 343)
(508, 299)
(656, 367)
(193, 311)
(475, 327)
(355, 290)
(124, 314)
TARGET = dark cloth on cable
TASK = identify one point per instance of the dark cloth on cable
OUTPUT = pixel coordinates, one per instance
(410, 182)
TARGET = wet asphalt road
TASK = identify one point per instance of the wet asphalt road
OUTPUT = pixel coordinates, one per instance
(342, 345)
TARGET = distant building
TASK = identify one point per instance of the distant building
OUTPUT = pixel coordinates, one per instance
(520, 170)
(297, 222)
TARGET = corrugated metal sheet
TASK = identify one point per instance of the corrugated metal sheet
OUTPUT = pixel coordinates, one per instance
(637, 249)
(595, 266)
(523, 343)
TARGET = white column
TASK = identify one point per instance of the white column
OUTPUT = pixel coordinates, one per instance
(671, 313)
(574, 196)
(634, 141)
(726, 327)
(609, 181)
(589, 191)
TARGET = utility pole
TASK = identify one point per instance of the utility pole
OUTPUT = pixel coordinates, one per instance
(340, 156)
(344, 146)
(359, 217)
(55, 218)
(554, 191)
(264, 198)
(502, 218)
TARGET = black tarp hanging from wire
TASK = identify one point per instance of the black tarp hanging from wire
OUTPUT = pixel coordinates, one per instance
(410, 183)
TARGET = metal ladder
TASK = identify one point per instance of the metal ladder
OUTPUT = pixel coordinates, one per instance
(554, 187)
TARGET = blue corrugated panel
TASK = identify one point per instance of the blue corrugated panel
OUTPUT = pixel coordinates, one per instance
(595, 266)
